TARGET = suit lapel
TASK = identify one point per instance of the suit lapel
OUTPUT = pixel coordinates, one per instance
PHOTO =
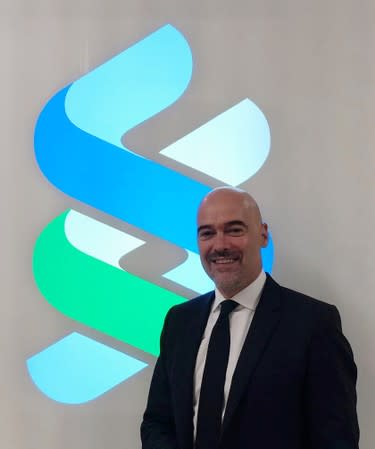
(185, 365)
(265, 319)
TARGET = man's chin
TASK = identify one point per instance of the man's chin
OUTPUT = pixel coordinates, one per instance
(226, 282)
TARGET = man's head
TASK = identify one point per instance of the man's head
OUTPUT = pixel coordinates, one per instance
(230, 236)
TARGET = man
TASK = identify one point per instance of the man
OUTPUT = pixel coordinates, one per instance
(289, 376)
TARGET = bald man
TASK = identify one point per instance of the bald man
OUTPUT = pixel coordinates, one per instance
(252, 365)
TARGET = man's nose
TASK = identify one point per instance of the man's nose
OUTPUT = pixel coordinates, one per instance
(221, 241)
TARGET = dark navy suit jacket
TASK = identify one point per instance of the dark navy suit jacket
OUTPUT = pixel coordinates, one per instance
(293, 387)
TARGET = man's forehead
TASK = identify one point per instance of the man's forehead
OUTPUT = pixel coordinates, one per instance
(225, 205)
(223, 213)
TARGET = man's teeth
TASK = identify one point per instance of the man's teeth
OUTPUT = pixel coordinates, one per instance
(224, 260)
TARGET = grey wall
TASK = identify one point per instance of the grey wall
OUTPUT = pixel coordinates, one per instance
(308, 65)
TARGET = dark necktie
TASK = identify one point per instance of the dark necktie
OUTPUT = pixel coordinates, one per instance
(211, 399)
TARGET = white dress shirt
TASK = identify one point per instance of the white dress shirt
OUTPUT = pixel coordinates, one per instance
(239, 325)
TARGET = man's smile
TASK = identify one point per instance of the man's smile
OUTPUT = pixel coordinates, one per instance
(224, 259)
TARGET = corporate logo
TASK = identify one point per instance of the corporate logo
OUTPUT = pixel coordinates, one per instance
(76, 261)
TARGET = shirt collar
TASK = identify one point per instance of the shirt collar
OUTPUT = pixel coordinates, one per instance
(248, 297)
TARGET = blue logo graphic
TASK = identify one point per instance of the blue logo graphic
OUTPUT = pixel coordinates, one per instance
(78, 148)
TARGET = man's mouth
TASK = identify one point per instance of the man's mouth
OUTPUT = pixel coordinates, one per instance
(223, 259)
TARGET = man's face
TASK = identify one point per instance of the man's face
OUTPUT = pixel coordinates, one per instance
(230, 236)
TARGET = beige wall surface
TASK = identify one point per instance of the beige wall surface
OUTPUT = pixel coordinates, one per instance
(308, 65)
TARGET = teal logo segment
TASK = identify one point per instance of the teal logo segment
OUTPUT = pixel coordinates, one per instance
(86, 366)
(232, 147)
(131, 87)
(78, 148)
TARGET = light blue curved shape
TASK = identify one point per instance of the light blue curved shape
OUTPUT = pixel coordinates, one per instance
(78, 369)
(131, 87)
(190, 274)
(98, 239)
(231, 147)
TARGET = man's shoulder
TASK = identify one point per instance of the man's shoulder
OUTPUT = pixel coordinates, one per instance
(299, 298)
(194, 304)
(180, 315)
(300, 303)
(302, 312)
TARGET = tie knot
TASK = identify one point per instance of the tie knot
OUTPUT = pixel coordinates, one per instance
(227, 306)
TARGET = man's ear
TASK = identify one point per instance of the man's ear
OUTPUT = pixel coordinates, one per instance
(264, 234)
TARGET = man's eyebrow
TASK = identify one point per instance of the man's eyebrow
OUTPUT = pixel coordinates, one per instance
(229, 223)
(236, 223)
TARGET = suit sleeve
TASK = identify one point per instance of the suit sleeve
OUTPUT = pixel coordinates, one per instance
(157, 428)
(331, 379)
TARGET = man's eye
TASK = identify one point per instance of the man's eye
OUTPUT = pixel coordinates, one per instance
(236, 231)
(204, 235)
